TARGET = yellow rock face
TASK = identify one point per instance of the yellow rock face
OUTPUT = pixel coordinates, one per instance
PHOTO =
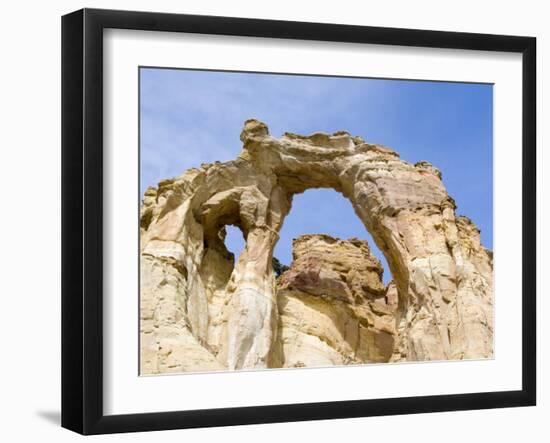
(332, 305)
(201, 311)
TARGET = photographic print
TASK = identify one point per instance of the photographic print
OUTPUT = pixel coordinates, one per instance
(300, 221)
(281, 212)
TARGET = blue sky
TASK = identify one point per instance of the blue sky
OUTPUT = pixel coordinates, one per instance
(193, 117)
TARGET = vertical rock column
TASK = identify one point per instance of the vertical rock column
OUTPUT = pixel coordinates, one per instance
(444, 295)
(252, 311)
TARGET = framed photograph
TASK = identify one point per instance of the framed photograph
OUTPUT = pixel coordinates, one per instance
(268, 221)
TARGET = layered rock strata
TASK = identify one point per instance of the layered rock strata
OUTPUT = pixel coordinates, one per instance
(333, 307)
(203, 311)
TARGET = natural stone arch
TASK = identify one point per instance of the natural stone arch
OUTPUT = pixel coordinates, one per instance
(226, 315)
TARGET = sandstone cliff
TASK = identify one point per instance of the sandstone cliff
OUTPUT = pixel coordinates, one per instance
(333, 307)
(202, 311)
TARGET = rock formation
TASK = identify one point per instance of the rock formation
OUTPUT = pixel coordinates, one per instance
(202, 311)
(332, 305)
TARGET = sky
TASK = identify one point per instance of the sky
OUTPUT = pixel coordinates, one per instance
(191, 117)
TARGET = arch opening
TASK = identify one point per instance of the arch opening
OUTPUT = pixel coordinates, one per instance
(234, 241)
(324, 211)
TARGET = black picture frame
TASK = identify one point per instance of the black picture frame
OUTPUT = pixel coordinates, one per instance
(82, 218)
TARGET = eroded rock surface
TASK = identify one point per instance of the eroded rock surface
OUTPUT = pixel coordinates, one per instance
(201, 311)
(332, 305)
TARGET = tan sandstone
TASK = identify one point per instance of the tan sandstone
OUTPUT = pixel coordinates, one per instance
(332, 305)
(201, 311)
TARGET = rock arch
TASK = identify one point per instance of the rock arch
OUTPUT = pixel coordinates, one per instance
(202, 311)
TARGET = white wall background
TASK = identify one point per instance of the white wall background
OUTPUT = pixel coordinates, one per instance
(30, 218)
